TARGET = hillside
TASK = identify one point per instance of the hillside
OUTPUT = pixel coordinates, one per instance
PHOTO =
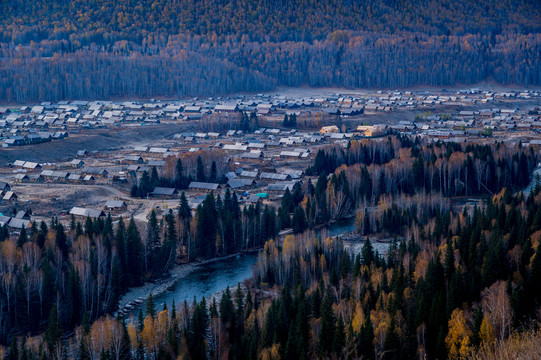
(103, 20)
(107, 48)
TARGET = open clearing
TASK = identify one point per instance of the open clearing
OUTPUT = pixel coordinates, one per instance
(92, 140)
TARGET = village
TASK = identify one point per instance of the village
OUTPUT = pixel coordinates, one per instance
(261, 145)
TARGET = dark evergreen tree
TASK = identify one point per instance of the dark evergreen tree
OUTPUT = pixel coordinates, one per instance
(200, 170)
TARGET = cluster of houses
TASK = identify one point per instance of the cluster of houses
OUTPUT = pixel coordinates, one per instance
(29, 171)
(111, 206)
(261, 164)
(473, 123)
(49, 121)
(21, 219)
(6, 194)
(16, 223)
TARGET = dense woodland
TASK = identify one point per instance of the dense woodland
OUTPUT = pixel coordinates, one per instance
(462, 280)
(51, 50)
(104, 21)
(449, 270)
(80, 272)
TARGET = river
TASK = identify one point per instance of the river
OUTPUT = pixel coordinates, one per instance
(212, 278)
(209, 279)
(533, 181)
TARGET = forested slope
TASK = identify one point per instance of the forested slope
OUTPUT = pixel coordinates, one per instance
(268, 19)
(68, 49)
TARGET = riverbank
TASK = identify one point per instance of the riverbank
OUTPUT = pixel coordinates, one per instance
(136, 296)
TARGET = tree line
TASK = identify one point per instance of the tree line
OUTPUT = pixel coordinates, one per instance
(150, 21)
(112, 49)
(366, 172)
(197, 66)
(465, 280)
(80, 272)
(176, 175)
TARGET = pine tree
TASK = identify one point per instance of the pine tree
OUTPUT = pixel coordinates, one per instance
(299, 220)
(285, 123)
(150, 306)
(200, 170)
(293, 120)
(154, 178)
(134, 252)
(327, 325)
(206, 227)
(120, 243)
(23, 238)
(367, 252)
(227, 308)
(357, 266)
(54, 330)
(168, 249)
(153, 238)
(179, 175)
(339, 339)
(213, 177)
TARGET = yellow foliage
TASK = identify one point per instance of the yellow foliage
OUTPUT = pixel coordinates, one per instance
(289, 244)
(523, 345)
(328, 242)
(162, 324)
(322, 263)
(132, 334)
(358, 318)
(149, 336)
(487, 333)
(272, 353)
(458, 337)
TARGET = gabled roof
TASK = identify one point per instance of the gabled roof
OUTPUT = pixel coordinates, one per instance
(156, 163)
(60, 174)
(236, 147)
(294, 174)
(203, 185)
(19, 223)
(94, 171)
(250, 174)
(224, 107)
(9, 195)
(133, 158)
(279, 187)
(93, 213)
(273, 176)
(4, 186)
(112, 204)
(163, 191)
(238, 183)
(252, 155)
(22, 215)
